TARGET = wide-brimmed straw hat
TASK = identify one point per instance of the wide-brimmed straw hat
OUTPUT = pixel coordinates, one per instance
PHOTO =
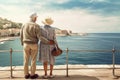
(48, 21)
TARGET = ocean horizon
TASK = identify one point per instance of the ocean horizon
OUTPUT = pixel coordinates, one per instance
(92, 41)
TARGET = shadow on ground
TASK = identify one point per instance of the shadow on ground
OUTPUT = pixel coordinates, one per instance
(72, 77)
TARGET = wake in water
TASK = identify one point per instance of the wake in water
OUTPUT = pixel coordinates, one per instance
(2, 42)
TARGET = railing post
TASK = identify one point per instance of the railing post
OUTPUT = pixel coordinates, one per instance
(113, 61)
(11, 76)
(67, 62)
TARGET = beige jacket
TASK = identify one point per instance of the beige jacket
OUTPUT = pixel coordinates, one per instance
(31, 33)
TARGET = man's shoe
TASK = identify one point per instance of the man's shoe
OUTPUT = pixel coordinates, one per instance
(27, 76)
(34, 76)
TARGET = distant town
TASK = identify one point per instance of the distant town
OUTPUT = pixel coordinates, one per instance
(60, 32)
(11, 29)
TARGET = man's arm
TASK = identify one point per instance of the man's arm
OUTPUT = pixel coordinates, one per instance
(21, 35)
(43, 39)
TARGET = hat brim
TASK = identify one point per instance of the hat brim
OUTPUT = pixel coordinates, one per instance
(46, 23)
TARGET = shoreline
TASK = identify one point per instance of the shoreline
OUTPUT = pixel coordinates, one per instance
(92, 66)
(2, 39)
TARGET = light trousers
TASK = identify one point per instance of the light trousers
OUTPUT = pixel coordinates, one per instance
(30, 51)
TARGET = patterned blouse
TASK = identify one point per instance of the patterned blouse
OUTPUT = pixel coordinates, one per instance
(45, 49)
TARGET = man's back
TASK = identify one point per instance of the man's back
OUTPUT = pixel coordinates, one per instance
(30, 31)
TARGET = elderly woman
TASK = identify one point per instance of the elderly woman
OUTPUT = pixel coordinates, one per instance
(45, 50)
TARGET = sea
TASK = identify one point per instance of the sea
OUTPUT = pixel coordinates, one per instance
(91, 41)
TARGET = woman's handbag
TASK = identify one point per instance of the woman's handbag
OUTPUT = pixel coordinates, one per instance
(56, 51)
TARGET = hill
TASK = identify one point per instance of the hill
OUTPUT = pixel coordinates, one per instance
(6, 24)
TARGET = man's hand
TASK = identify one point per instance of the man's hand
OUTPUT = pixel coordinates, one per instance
(51, 42)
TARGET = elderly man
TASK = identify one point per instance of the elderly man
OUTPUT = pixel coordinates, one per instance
(30, 34)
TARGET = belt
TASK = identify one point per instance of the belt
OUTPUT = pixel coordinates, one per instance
(30, 42)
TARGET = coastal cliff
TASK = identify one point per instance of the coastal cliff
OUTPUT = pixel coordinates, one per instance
(9, 28)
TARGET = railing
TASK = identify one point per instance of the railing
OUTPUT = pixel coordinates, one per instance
(113, 51)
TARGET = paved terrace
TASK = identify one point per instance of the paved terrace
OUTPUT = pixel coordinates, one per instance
(85, 72)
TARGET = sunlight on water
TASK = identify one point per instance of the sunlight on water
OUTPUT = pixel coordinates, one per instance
(2, 42)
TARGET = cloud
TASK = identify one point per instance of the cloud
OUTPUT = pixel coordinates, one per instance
(98, 1)
(75, 15)
(61, 1)
(14, 13)
(103, 7)
(14, 2)
(79, 20)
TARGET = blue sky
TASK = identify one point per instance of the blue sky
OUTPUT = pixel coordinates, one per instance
(76, 15)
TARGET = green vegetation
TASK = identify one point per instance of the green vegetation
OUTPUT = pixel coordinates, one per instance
(7, 24)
